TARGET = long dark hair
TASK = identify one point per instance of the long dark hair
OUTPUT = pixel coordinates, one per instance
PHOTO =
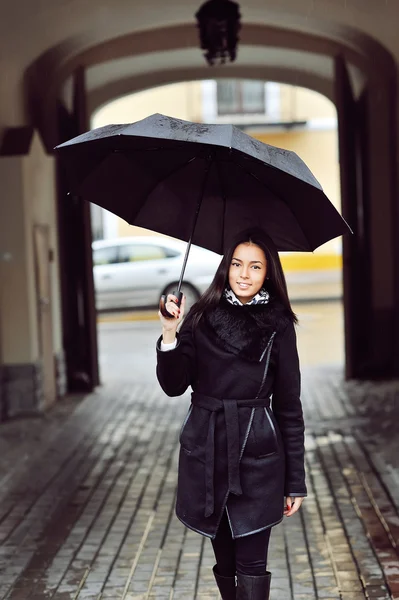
(274, 283)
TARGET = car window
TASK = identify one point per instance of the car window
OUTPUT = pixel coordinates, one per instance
(139, 252)
(105, 256)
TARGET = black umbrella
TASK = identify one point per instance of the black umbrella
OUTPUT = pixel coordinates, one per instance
(200, 183)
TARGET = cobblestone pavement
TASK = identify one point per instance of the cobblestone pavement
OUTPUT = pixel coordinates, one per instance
(87, 500)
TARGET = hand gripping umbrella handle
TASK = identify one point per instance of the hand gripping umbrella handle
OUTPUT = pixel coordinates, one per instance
(162, 305)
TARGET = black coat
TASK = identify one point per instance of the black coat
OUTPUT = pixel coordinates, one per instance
(237, 451)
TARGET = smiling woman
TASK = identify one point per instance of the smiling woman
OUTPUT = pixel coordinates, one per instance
(247, 271)
(240, 454)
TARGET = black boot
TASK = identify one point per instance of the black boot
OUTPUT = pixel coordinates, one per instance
(226, 585)
(253, 588)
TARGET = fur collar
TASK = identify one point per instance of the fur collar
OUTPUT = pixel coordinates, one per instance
(246, 330)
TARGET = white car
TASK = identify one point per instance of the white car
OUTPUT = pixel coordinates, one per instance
(134, 272)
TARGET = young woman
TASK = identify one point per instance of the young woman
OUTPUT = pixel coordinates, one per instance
(242, 443)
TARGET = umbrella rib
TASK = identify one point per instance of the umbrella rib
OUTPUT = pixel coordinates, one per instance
(278, 195)
(170, 174)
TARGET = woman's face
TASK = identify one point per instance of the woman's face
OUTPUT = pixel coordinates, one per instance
(247, 271)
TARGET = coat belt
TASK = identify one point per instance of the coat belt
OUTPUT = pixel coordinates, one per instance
(230, 408)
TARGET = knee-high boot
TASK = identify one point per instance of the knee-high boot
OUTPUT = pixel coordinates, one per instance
(226, 585)
(253, 588)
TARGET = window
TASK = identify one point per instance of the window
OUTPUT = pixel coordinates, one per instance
(105, 256)
(138, 252)
(237, 96)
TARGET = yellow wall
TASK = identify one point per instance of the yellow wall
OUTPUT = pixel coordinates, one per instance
(125, 230)
(180, 100)
(300, 104)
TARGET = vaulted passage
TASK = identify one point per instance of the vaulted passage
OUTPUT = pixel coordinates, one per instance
(55, 82)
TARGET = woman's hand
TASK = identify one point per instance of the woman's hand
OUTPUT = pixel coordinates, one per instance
(171, 325)
(293, 505)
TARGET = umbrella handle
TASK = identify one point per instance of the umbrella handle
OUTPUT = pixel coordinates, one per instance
(162, 305)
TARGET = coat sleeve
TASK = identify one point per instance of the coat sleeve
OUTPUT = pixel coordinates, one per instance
(176, 368)
(287, 409)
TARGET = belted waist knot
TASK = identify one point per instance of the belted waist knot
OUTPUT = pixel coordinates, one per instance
(230, 408)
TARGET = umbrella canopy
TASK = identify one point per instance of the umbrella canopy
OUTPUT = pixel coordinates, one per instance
(203, 183)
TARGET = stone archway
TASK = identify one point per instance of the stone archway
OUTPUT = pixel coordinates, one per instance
(177, 48)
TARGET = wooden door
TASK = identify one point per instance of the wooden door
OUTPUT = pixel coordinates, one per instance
(45, 318)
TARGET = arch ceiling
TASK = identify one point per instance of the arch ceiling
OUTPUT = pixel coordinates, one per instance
(128, 46)
(122, 76)
(32, 28)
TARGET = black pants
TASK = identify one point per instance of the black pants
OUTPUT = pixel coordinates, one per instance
(246, 555)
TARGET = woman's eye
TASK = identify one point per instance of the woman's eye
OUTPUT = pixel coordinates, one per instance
(234, 264)
(256, 267)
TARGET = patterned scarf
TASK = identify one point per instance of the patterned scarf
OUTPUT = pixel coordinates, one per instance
(262, 297)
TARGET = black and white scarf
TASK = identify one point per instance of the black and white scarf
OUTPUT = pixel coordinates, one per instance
(262, 297)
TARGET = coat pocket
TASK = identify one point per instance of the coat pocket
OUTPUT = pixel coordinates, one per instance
(262, 441)
(194, 432)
